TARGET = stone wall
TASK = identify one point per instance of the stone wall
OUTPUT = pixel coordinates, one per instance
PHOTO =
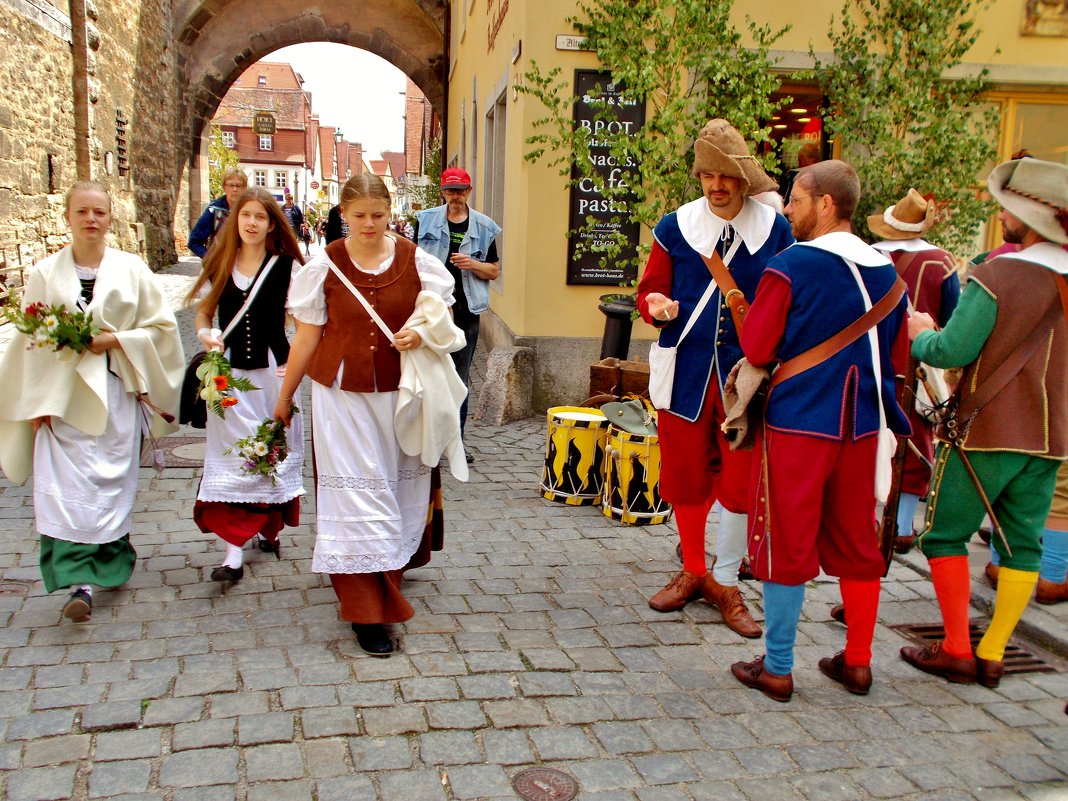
(37, 158)
(129, 83)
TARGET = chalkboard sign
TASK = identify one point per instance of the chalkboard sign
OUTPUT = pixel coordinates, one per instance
(587, 195)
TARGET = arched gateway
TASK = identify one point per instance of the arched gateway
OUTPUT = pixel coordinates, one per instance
(217, 40)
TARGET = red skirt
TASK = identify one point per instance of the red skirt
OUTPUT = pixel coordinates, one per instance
(237, 523)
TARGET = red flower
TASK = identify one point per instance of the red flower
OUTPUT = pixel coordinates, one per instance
(227, 402)
(32, 309)
(221, 383)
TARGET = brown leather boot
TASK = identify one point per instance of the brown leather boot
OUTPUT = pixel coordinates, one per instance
(838, 613)
(855, 678)
(1049, 593)
(903, 545)
(752, 674)
(937, 662)
(991, 572)
(988, 672)
(731, 606)
(682, 589)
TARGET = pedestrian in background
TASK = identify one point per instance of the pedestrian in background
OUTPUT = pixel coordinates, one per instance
(934, 288)
(212, 218)
(465, 240)
(255, 252)
(372, 498)
(293, 215)
(75, 419)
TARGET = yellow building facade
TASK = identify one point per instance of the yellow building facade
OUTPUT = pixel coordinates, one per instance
(492, 43)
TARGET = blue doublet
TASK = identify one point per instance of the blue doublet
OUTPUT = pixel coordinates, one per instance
(825, 299)
(713, 340)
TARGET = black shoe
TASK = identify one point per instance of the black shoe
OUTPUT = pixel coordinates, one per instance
(227, 573)
(270, 547)
(373, 638)
(78, 607)
(469, 456)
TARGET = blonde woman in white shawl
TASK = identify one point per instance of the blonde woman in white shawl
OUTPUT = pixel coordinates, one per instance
(75, 420)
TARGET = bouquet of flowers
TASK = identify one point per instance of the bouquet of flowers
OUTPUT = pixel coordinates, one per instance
(218, 382)
(264, 450)
(52, 327)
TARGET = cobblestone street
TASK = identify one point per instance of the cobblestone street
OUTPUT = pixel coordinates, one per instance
(532, 645)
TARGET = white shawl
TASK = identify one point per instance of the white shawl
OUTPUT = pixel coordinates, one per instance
(128, 302)
(427, 417)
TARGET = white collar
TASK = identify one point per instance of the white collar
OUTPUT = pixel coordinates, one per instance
(1045, 254)
(702, 229)
(913, 245)
(850, 247)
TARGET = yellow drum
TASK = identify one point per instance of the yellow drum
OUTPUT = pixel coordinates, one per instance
(632, 480)
(574, 455)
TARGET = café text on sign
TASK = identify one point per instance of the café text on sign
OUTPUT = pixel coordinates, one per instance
(602, 108)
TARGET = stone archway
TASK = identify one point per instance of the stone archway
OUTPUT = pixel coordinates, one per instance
(219, 39)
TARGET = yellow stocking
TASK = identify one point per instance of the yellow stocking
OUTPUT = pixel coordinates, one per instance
(1014, 591)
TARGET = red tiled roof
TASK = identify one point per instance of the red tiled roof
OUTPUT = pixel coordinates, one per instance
(396, 162)
(240, 105)
(326, 150)
(278, 76)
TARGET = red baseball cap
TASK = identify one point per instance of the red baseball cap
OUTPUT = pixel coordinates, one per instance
(455, 178)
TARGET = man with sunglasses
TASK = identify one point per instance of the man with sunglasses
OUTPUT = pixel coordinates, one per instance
(813, 505)
(200, 238)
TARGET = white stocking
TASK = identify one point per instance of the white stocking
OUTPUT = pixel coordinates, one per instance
(730, 547)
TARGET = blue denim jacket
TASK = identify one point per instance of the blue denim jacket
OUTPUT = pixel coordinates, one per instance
(481, 231)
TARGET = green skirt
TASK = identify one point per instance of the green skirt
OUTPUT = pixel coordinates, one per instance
(65, 564)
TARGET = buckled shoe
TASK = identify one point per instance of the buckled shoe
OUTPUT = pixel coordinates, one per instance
(753, 674)
(855, 678)
(731, 606)
(682, 589)
(937, 662)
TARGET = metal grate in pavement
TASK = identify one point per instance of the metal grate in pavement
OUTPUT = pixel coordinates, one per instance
(1018, 659)
(183, 451)
(544, 784)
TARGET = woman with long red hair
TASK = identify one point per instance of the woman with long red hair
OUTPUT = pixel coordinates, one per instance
(253, 256)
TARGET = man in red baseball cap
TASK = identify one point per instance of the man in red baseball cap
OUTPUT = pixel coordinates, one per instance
(464, 240)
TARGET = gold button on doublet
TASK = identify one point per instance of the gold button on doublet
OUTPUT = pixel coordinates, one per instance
(372, 347)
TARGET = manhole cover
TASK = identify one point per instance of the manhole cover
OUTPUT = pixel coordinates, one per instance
(1017, 658)
(545, 784)
(183, 451)
(14, 588)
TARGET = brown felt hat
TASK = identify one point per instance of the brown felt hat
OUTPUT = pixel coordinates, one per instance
(720, 148)
(910, 217)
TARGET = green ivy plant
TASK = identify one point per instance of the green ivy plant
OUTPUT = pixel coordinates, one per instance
(685, 61)
(902, 121)
(221, 159)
